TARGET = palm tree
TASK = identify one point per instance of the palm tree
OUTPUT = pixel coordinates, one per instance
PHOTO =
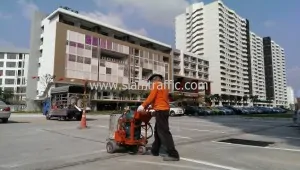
(239, 98)
(231, 98)
(208, 98)
(245, 99)
(255, 99)
(224, 97)
(216, 98)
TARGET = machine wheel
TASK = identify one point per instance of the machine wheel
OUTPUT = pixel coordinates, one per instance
(48, 117)
(142, 150)
(172, 113)
(111, 147)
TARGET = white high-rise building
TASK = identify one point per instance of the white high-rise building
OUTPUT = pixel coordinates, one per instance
(257, 75)
(275, 72)
(219, 34)
(13, 71)
(291, 97)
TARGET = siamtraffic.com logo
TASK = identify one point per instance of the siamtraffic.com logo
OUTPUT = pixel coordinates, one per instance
(149, 86)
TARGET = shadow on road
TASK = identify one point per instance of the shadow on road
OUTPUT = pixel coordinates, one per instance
(282, 129)
(11, 122)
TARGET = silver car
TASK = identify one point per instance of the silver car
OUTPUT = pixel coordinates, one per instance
(4, 112)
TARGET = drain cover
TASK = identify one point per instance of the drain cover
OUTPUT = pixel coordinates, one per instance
(247, 142)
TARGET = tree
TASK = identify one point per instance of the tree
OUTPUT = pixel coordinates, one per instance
(245, 99)
(239, 99)
(224, 97)
(216, 98)
(45, 80)
(7, 94)
(208, 98)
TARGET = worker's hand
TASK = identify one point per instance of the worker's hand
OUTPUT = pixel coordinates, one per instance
(140, 108)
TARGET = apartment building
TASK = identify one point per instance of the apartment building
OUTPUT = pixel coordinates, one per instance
(275, 72)
(257, 68)
(190, 70)
(13, 71)
(291, 100)
(73, 48)
(215, 32)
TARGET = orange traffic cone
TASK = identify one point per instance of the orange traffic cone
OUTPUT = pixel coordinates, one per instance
(83, 121)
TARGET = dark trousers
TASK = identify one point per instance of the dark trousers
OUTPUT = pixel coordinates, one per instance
(162, 134)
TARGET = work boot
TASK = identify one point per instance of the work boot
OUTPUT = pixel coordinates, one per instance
(154, 153)
(169, 158)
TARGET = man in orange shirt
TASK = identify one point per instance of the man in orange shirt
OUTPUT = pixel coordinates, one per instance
(159, 100)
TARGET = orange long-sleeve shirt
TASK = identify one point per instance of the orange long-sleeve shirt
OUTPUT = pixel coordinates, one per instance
(158, 97)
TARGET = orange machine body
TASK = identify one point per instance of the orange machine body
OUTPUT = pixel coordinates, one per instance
(120, 133)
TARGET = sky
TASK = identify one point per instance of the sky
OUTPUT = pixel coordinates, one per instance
(155, 19)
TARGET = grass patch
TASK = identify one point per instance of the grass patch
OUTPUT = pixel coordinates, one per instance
(274, 115)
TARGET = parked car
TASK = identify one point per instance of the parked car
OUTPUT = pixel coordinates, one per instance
(175, 110)
(225, 110)
(206, 111)
(236, 110)
(4, 112)
(191, 110)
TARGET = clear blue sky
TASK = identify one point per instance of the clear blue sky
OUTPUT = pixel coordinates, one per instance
(276, 18)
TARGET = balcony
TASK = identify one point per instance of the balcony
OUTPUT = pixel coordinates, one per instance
(177, 66)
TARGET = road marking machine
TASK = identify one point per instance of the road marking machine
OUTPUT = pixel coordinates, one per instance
(126, 131)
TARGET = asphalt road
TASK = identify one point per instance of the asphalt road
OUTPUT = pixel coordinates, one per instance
(32, 142)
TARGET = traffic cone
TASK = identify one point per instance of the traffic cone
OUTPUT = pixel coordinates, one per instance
(83, 121)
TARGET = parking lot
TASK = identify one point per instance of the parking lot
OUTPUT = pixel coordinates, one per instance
(32, 142)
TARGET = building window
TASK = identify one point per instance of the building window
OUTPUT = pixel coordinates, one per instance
(20, 56)
(1, 55)
(102, 63)
(79, 59)
(19, 73)
(72, 58)
(9, 81)
(20, 64)
(0, 81)
(87, 60)
(1, 64)
(11, 56)
(11, 64)
(108, 70)
(10, 73)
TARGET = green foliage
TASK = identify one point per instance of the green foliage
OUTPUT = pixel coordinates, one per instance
(6, 94)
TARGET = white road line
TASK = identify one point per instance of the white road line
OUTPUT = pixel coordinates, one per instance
(209, 164)
(183, 137)
(199, 130)
(163, 164)
(249, 146)
(221, 124)
(292, 138)
(106, 127)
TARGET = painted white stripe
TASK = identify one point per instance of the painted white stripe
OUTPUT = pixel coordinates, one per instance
(198, 130)
(226, 124)
(292, 138)
(183, 137)
(209, 164)
(163, 164)
(249, 146)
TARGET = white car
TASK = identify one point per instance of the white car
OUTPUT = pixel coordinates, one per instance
(4, 112)
(175, 110)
